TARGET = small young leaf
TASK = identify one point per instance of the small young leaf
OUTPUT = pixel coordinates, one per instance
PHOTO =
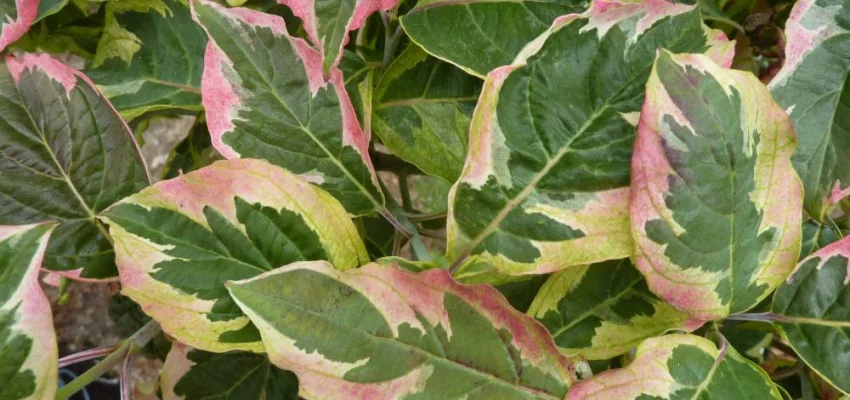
(680, 367)
(481, 35)
(66, 156)
(382, 333)
(813, 306)
(603, 310)
(191, 374)
(265, 97)
(813, 87)
(28, 351)
(545, 185)
(328, 23)
(422, 108)
(177, 241)
(716, 205)
(165, 73)
(15, 20)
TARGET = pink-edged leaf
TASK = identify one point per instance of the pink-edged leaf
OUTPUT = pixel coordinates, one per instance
(546, 180)
(379, 332)
(28, 350)
(65, 155)
(177, 241)
(716, 205)
(16, 18)
(680, 366)
(812, 310)
(194, 374)
(328, 23)
(265, 97)
(813, 88)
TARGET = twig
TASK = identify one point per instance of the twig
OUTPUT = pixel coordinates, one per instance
(86, 355)
(139, 339)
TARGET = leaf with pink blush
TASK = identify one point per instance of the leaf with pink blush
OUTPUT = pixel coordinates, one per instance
(29, 356)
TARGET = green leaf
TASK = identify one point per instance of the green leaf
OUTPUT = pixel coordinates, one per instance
(813, 312)
(28, 351)
(117, 41)
(816, 236)
(545, 185)
(66, 156)
(328, 23)
(813, 87)
(177, 241)
(680, 367)
(165, 72)
(481, 35)
(194, 152)
(265, 97)
(749, 338)
(191, 374)
(47, 8)
(382, 333)
(716, 205)
(16, 16)
(603, 310)
(422, 110)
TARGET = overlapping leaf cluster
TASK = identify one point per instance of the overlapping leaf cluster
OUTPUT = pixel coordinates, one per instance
(560, 200)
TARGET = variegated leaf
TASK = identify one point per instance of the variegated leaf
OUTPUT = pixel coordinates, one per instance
(481, 35)
(813, 87)
(382, 333)
(422, 108)
(177, 241)
(265, 97)
(65, 155)
(603, 310)
(545, 185)
(166, 71)
(328, 23)
(190, 374)
(16, 16)
(716, 205)
(680, 367)
(813, 312)
(28, 351)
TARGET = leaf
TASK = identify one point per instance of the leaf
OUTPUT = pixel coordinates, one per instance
(545, 185)
(328, 23)
(16, 18)
(716, 204)
(66, 156)
(117, 41)
(603, 310)
(381, 333)
(194, 152)
(177, 241)
(750, 342)
(481, 35)
(813, 312)
(165, 72)
(422, 109)
(265, 98)
(813, 87)
(816, 236)
(29, 356)
(191, 374)
(680, 367)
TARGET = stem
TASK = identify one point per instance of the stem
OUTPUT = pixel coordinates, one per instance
(403, 187)
(761, 317)
(788, 372)
(390, 40)
(139, 339)
(424, 217)
(86, 355)
(126, 372)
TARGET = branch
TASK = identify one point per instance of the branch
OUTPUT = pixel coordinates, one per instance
(138, 340)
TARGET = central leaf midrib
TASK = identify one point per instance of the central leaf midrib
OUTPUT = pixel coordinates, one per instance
(274, 91)
(395, 342)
